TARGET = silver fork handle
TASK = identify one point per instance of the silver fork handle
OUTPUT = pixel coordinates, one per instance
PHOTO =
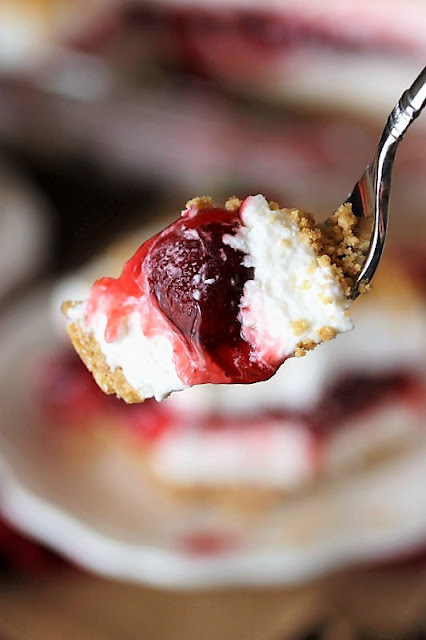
(408, 108)
(402, 115)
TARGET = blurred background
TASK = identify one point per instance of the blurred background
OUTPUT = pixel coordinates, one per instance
(114, 113)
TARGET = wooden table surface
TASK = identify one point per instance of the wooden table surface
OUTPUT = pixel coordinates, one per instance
(385, 602)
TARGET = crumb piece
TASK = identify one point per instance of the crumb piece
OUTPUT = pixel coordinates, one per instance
(300, 326)
(201, 202)
(364, 287)
(67, 306)
(326, 333)
(233, 204)
(325, 299)
(313, 266)
(303, 347)
(324, 261)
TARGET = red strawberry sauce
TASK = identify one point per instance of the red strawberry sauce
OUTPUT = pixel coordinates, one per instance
(186, 284)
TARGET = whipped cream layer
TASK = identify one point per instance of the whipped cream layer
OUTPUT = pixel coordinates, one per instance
(294, 298)
(281, 454)
(271, 453)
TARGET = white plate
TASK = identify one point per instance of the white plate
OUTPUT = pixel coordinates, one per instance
(24, 230)
(102, 513)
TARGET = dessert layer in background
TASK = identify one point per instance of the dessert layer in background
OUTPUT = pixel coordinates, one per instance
(117, 90)
(349, 57)
(190, 142)
(35, 33)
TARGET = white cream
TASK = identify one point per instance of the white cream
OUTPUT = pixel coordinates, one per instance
(146, 362)
(279, 454)
(289, 286)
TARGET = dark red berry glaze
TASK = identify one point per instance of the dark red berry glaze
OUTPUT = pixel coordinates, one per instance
(187, 283)
(198, 283)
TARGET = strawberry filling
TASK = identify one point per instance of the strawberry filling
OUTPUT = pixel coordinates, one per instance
(186, 284)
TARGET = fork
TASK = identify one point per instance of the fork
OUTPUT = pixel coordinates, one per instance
(370, 196)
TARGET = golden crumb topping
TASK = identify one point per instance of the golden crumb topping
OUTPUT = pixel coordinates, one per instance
(201, 202)
(233, 204)
(338, 242)
(303, 347)
(299, 326)
(326, 333)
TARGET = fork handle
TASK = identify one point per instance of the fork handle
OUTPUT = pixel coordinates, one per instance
(403, 114)
(408, 108)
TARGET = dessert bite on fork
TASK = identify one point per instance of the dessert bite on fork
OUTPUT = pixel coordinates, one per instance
(222, 295)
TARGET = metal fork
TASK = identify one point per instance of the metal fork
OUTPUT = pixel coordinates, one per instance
(370, 196)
